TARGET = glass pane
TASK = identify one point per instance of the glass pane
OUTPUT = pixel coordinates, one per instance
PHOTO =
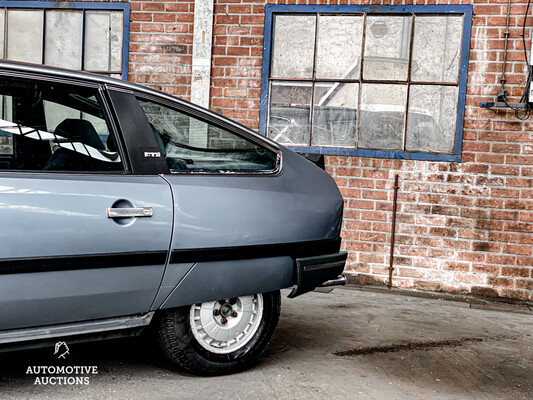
(63, 39)
(222, 151)
(382, 116)
(339, 46)
(437, 48)
(116, 40)
(387, 41)
(97, 43)
(335, 114)
(289, 113)
(2, 28)
(431, 118)
(293, 48)
(25, 35)
(51, 128)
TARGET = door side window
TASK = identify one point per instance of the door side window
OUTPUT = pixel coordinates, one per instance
(190, 144)
(54, 127)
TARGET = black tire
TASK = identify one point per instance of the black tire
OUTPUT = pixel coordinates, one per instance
(181, 346)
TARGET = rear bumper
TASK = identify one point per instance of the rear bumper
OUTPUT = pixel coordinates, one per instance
(313, 271)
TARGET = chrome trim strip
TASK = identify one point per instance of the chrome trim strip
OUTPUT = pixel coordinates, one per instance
(81, 328)
(320, 266)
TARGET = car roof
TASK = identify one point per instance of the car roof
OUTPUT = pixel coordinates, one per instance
(92, 77)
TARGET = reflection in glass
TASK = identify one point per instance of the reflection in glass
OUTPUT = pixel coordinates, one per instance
(293, 48)
(382, 116)
(431, 118)
(387, 41)
(289, 113)
(437, 48)
(339, 46)
(335, 114)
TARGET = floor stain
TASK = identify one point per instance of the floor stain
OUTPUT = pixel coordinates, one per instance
(417, 346)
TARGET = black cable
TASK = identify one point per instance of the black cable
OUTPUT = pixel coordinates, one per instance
(525, 95)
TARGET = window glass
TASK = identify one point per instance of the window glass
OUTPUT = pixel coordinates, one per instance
(382, 116)
(437, 48)
(190, 144)
(335, 114)
(385, 80)
(25, 35)
(387, 42)
(293, 49)
(431, 119)
(338, 50)
(290, 110)
(54, 127)
(63, 39)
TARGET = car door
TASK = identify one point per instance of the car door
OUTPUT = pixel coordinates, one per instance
(84, 234)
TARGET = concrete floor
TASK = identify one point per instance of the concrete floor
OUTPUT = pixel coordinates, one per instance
(348, 344)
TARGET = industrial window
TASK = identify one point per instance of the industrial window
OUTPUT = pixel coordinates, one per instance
(76, 35)
(353, 81)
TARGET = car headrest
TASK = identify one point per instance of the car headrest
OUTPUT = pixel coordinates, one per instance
(79, 130)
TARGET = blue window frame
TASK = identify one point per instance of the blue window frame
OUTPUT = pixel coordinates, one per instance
(319, 95)
(86, 16)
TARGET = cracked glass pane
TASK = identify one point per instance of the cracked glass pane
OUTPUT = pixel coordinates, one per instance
(335, 114)
(289, 113)
(339, 45)
(437, 48)
(293, 48)
(431, 118)
(25, 35)
(382, 116)
(387, 42)
(63, 39)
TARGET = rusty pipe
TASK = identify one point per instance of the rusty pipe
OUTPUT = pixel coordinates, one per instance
(393, 229)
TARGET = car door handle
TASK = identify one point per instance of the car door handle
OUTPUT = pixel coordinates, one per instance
(129, 212)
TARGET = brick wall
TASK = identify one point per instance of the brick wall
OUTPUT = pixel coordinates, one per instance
(461, 227)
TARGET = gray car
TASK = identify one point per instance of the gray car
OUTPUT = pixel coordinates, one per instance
(122, 208)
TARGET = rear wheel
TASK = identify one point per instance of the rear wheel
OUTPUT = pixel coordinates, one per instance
(220, 337)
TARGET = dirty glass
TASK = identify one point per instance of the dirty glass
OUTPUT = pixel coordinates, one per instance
(289, 112)
(387, 41)
(431, 118)
(2, 29)
(222, 151)
(436, 48)
(25, 35)
(335, 114)
(339, 42)
(103, 41)
(293, 47)
(63, 38)
(382, 116)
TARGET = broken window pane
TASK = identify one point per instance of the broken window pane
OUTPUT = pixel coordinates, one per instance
(382, 116)
(387, 42)
(63, 39)
(25, 35)
(339, 47)
(431, 118)
(289, 113)
(97, 41)
(335, 114)
(293, 48)
(437, 48)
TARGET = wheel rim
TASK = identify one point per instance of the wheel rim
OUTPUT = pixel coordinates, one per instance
(226, 325)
